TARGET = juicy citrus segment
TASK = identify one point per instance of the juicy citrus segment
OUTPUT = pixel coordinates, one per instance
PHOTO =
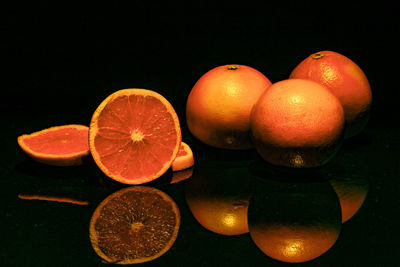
(59, 145)
(134, 135)
(133, 225)
(184, 159)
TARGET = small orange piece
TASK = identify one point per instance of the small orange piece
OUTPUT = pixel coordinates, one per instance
(219, 105)
(184, 159)
(297, 123)
(345, 80)
(134, 136)
(134, 225)
(59, 145)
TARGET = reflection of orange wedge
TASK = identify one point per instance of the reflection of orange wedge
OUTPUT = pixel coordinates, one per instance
(184, 159)
(53, 198)
(60, 145)
(181, 175)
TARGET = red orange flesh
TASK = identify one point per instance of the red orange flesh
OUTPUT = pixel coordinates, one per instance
(59, 145)
(134, 135)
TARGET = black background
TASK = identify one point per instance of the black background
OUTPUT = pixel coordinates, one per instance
(62, 59)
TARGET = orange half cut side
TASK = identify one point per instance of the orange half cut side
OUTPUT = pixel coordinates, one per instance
(134, 136)
(64, 145)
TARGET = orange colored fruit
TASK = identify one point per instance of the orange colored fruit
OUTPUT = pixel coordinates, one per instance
(59, 145)
(184, 159)
(343, 78)
(134, 136)
(134, 225)
(297, 123)
(219, 105)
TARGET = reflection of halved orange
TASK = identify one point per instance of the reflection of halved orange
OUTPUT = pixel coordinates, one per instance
(345, 80)
(297, 123)
(219, 105)
(133, 225)
(134, 136)
(59, 145)
(184, 159)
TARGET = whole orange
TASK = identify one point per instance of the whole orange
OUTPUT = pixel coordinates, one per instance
(343, 78)
(219, 105)
(297, 123)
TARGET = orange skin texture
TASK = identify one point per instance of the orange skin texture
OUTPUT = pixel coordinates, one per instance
(58, 159)
(345, 80)
(297, 123)
(185, 160)
(219, 105)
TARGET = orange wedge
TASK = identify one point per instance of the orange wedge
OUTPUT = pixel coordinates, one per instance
(59, 145)
(184, 159)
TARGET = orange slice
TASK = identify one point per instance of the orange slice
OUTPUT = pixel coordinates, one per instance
(133, 225)
(184, 159)
(59, 145)
(134, 136)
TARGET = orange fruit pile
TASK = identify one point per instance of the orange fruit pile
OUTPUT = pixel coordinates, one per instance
(297, 122)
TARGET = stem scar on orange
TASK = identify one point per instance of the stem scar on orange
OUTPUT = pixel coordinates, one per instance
(133, 225)
(64, 145)
(134, 136)
(219, 105)
(343, 78)
(297, 123)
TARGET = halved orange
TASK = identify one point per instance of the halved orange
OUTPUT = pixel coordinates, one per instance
(64, 145)
(133, 225)
(134, 136)
(184, 159)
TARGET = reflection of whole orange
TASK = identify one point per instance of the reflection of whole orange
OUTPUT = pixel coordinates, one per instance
(218, 202)
(343, 78)
(218, 107)
(297, 123)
